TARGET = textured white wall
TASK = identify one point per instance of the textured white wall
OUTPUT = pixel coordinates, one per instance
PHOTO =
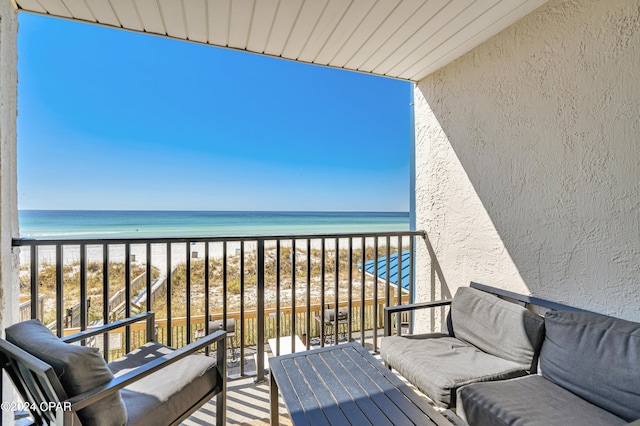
(528, 160)
(9, 289)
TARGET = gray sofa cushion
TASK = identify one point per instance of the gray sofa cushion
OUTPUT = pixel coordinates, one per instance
(596, 357)
(162, 397)
(497, 327)
(528, 401)
(438, 364)
(79, 369)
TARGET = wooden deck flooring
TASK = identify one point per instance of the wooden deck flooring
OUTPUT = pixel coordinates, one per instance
(248, 404)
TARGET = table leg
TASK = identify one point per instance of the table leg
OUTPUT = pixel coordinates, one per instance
(273, 400)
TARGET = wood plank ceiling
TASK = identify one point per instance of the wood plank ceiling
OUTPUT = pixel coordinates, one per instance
(405, 39)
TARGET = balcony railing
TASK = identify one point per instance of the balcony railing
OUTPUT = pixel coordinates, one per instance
(270, 286)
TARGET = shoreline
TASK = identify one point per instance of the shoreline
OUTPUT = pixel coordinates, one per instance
(99, 224)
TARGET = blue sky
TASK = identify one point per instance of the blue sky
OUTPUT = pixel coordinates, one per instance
(115, 120)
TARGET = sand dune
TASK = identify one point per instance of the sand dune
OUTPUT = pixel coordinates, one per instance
(71, 253)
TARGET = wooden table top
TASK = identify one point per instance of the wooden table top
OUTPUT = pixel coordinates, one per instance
(345, 384)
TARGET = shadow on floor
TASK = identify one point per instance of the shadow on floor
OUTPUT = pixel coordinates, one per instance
(247, 404)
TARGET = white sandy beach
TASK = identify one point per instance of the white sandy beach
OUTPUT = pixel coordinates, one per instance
(71, 253)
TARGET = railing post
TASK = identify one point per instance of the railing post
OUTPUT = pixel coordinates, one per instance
(84, 306)
(188, 290)
(59, 291)
(106, 309)
(276, 350)
(387, 323)
(169, 292)
(322, 296)
(308, 312)
(412, 274)
(127, 295)
(207, 312)
(34, 283)
(375, 294)
(350, 295)
(363, 292)
(151, 326)
(293, 294)
(260, 314)
(243, 327)
(399, 286)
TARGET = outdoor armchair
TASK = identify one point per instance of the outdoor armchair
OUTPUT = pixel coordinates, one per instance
(66, 383)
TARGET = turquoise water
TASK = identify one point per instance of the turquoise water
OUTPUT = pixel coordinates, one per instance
(131, 224)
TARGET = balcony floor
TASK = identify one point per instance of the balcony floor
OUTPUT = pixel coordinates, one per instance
(248, 404)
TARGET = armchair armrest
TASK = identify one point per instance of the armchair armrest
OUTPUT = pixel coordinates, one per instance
(390, 310)
(82, 400)
(95, 331)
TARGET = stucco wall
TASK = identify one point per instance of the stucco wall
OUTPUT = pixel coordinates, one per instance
(528, 160)
(8, 187)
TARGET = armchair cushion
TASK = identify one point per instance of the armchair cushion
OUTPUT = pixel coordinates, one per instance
(162, 397)
(79, 369)
(438, 364)
(595, 357)
(496, 326)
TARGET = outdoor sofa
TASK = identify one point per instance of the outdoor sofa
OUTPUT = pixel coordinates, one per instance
(488, 339)
(485, 367)
(590, 375)
(65, 383)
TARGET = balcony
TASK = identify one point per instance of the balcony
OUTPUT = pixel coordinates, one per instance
(247, 283)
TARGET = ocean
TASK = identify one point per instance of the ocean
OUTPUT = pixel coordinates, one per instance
(62, 224)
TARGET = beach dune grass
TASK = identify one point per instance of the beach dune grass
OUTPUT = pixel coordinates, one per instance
(236, 281)
(241, 281)
(71, 273)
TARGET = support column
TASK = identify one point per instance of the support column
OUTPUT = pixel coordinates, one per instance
(9, 286)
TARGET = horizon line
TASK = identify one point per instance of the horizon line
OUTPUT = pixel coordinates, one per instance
(223, 211)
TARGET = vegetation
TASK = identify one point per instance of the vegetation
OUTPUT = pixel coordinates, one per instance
(71, 284)
(235, 280)
(241, 281)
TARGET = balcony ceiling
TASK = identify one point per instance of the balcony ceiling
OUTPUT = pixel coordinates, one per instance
(405, 39)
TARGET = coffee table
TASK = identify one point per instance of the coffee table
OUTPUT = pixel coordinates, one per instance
(345, 384)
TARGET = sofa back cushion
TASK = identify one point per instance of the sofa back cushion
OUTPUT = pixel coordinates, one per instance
(79, 369)
(496, 326)
(596, 357)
